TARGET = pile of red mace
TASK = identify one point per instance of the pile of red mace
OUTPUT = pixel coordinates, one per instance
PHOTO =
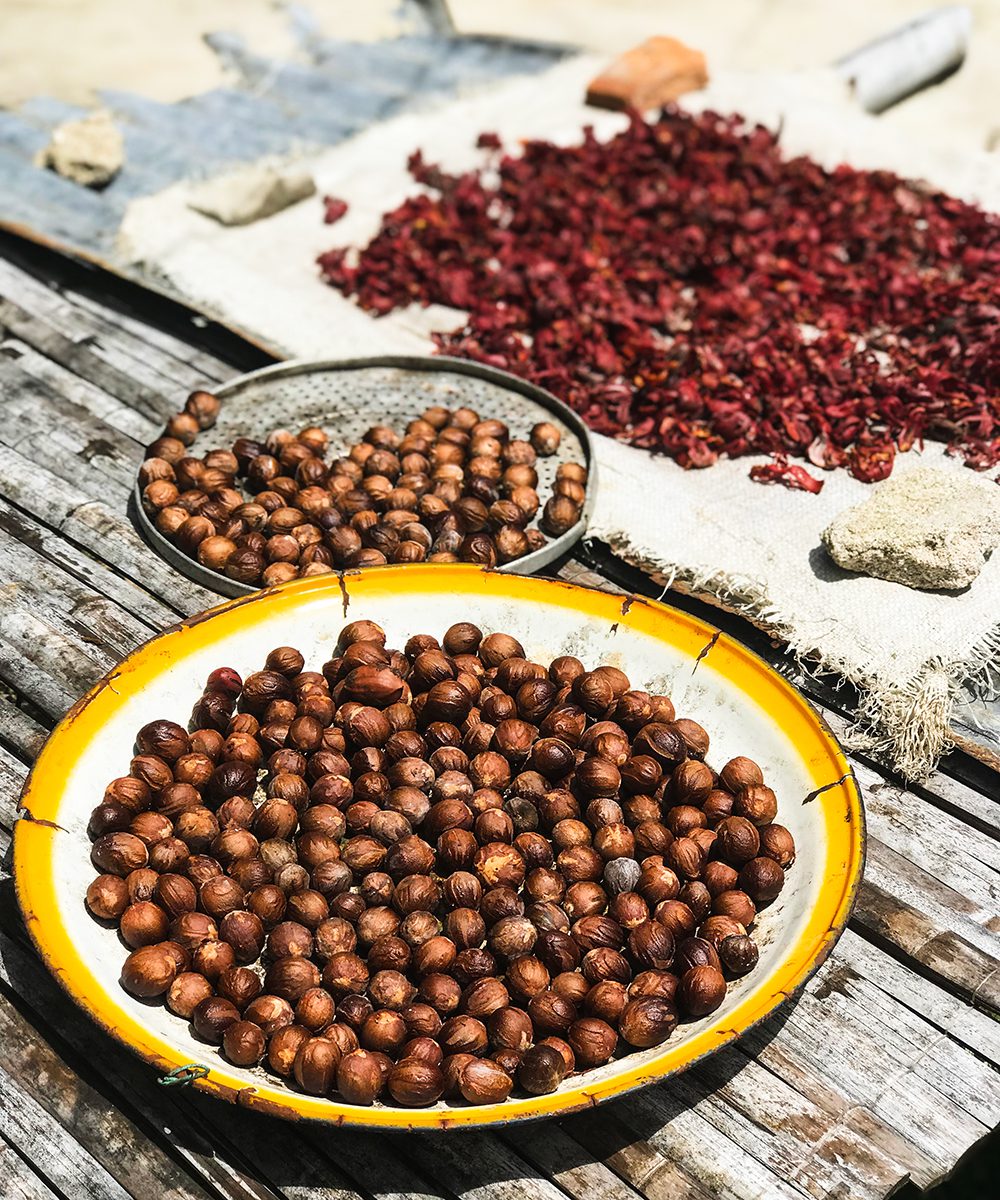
(687, 289)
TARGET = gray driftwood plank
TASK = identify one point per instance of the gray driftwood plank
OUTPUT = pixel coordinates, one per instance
(131, 1083)
(17, 1180)
(156, 403)
(90, 572)
(93, 525)
(122, 1149)
(21, 362)
(63, 1161)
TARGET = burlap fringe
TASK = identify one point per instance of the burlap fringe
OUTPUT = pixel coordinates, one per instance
(908, 726)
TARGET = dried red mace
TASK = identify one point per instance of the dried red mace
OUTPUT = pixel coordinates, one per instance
(687, 289)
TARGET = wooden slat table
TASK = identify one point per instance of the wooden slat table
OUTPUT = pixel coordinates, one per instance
(884, 1073)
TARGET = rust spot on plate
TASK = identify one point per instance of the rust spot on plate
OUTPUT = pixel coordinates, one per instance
(344, 594)
(705, 650)
(614, 627)
(627, 604)
(826, 788)
(27, 815)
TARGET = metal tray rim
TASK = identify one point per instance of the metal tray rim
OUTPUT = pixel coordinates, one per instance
(528, 565)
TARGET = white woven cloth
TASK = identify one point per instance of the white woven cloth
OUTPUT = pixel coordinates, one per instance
(756, 548)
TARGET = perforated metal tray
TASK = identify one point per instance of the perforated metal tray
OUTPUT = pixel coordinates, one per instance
(347, 396)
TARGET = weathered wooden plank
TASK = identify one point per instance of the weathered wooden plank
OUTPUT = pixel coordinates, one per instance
(567, 1163)
(17, 526)
(119, 351)
(43, 1141)
(87, 362)
(167, 353)
(940, 843)
(43, 663)
(126, 1080)
(93, 525)
(961, 1020)
(279, 1152)
(477, 1166)
(24, 367)
(611, 1135)
(759, 1110)
(13, 773)
(17, 1180)
(873, 1057)
(379, 1165)
(919, 937)
(38, 585)
(114, 1141)
(60, 435)
(19, 732)
(684, 1133)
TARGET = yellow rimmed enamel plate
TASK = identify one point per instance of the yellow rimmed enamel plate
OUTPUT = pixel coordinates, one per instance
(745, 706)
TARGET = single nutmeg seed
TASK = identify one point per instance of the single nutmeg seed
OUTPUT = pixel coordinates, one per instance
(212, 1018)
(762, 879)
(701, 991)
(483, 1081)
(415, 1083)
(186, 992)
(149, 971)
(777, 843)
(243, 1043)
(647, 1021)
(740, 773)
(593, 1041)
(542, 1070)
(360, 1077)
(107, 897)
(738, 954)
(757, 803)
(315, 1067)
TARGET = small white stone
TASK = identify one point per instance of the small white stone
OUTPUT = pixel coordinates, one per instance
(88, 151)
(927, 528)
(250, 193)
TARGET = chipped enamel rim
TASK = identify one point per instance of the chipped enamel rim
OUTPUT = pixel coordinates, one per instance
(829, 816)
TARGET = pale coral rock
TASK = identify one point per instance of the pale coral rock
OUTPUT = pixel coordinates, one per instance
(250, 193)
(927, 528)
(90, 150)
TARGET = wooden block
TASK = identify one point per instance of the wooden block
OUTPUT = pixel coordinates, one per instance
(649, 75)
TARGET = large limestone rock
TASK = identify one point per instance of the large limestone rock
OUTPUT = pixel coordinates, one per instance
(88, 151)
(928, 528)
(250, 193)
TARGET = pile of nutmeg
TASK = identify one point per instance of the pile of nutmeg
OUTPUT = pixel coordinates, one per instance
(454, 488)
(442, 872)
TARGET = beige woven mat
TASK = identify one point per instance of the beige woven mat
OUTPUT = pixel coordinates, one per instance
(757, 548)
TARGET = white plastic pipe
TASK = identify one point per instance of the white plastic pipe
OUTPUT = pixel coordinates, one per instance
(908, 58)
